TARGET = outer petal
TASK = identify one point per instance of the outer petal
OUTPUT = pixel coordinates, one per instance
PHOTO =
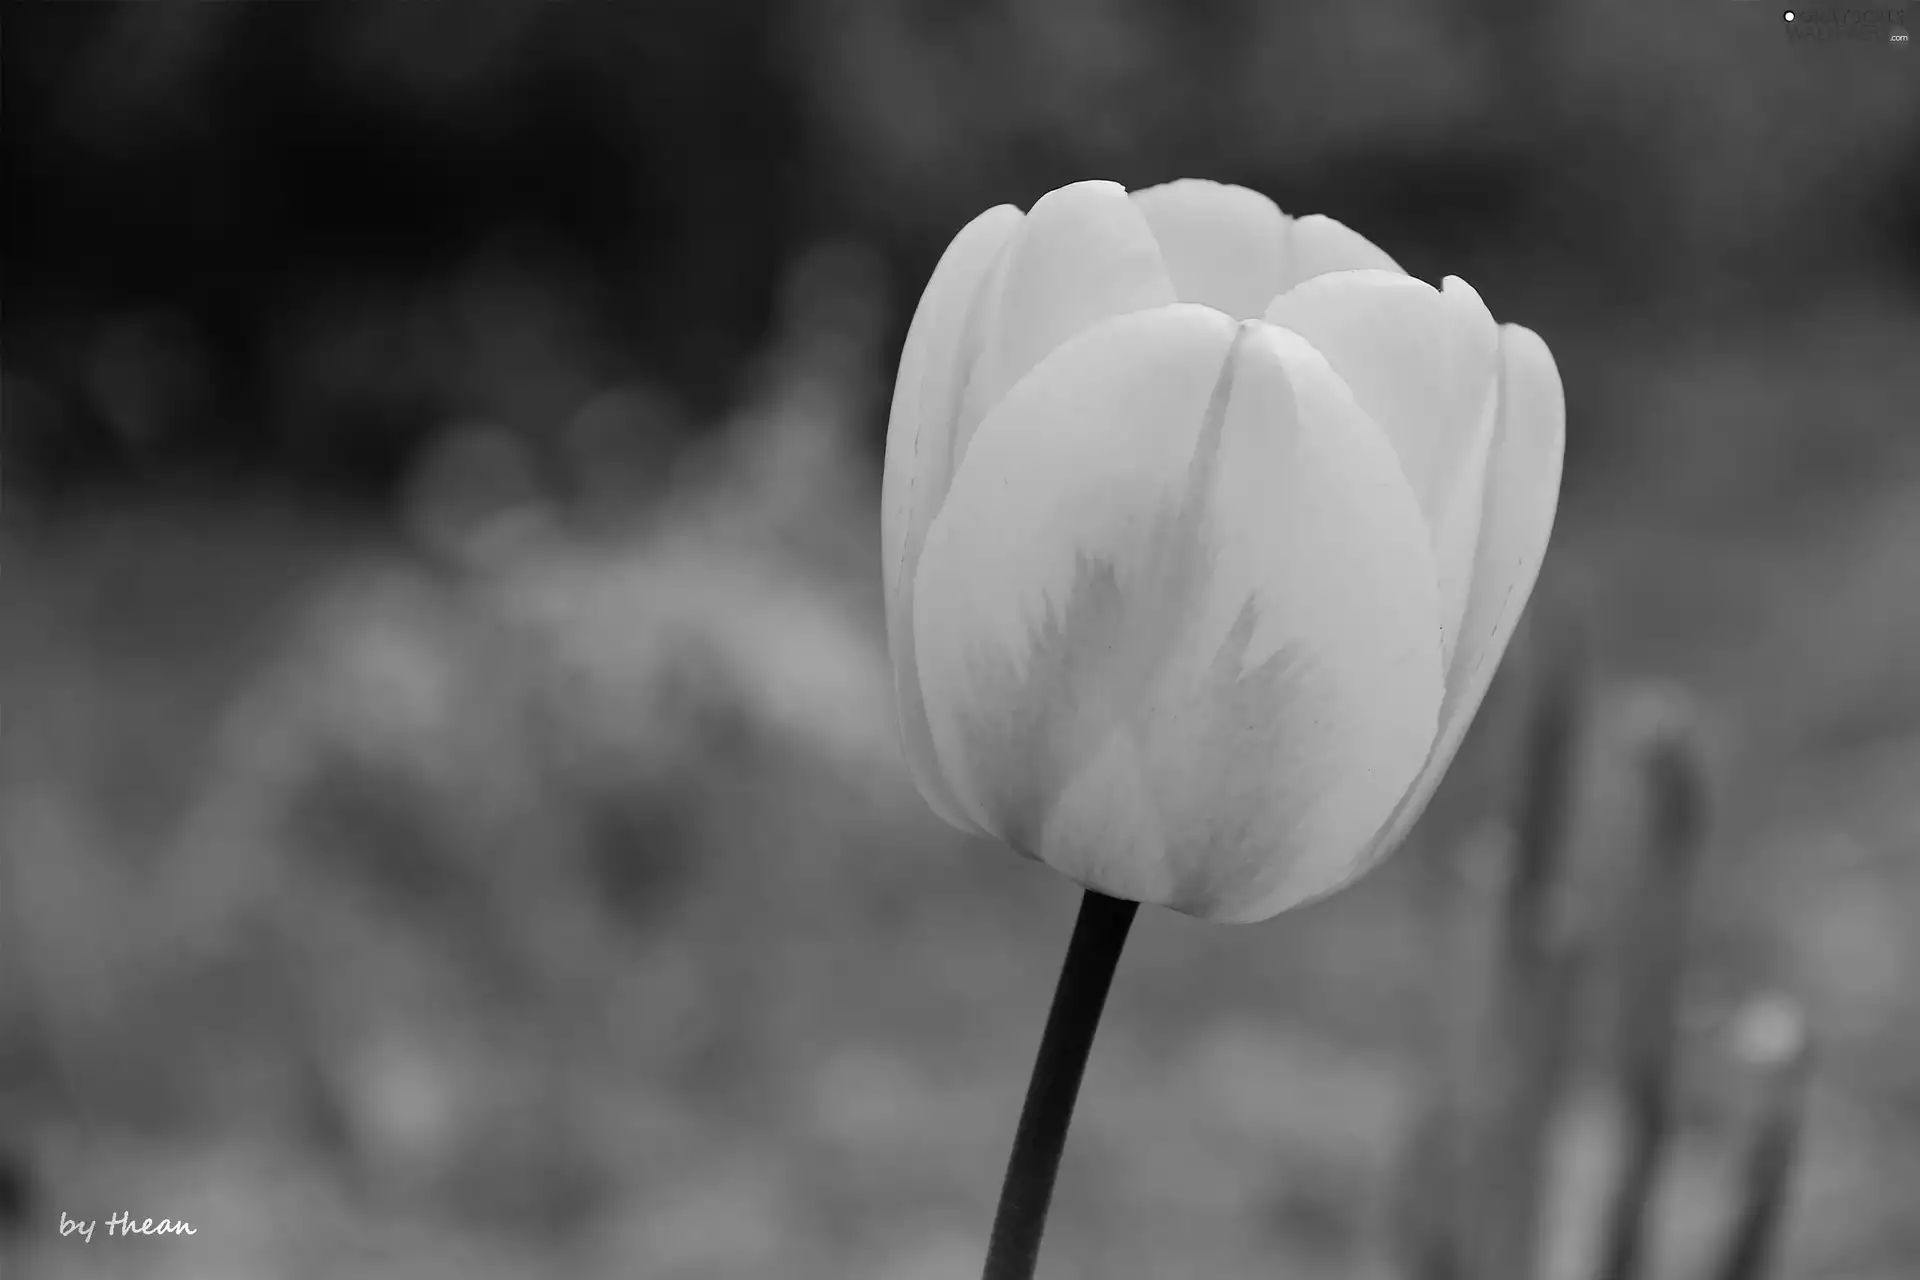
(1083, 254)
(1176, 619)
(942, 345)
(1224, 246)
(1523, 491)
(1316, 244)
(1422, 363)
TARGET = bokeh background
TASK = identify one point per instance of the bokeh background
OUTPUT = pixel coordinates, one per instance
(450, 822)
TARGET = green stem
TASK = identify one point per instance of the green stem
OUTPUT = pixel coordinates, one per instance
(1099, 933)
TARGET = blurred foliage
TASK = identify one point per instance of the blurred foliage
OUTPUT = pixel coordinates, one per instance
(310, 237)
(523, 881)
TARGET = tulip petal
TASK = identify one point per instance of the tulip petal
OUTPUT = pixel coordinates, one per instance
(1084, 253)
(1176, 619)
(1223, 245)
(1523, 492)
(1316, 245)
(942, 345)
(1422, 362)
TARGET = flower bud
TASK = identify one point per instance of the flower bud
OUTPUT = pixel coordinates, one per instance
(1204, 529)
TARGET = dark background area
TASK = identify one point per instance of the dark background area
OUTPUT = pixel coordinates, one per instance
(451, 822)
(257, 221)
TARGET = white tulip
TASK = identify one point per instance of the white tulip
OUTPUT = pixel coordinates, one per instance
(1204, 529)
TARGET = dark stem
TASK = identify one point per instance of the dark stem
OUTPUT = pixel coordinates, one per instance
(1098, 936)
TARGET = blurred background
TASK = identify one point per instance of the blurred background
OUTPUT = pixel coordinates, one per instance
(451, 823)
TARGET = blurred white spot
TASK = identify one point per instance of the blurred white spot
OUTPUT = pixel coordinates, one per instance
(1770, 1030)
(403, 1107)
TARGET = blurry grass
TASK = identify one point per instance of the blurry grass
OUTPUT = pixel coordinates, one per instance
(554, 903)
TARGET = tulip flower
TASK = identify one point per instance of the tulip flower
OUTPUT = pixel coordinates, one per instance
(1204, 529)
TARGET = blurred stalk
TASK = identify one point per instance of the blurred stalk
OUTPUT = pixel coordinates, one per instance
(1666, 755)
(1435, 1187)
(1469, 1188)
(1099, 934)
(1771, 1041)
(1536, 962)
